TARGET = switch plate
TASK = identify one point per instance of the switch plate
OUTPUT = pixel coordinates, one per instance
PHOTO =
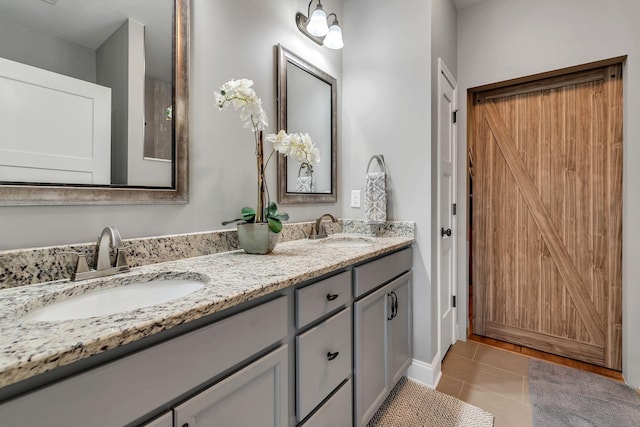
(355, 198)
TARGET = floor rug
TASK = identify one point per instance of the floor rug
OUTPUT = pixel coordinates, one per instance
(413, 405)
(562, 396)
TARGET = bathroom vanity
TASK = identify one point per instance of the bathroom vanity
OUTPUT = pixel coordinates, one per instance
(316, 334)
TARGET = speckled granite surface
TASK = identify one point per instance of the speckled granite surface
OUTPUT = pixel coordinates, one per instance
(37, 265)
(388, 229)
(231, 278)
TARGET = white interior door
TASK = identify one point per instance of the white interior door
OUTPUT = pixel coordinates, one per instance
(55, 129)
(446, 201)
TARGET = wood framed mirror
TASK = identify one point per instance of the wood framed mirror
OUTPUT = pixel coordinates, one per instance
(26, 183)
(307, 102)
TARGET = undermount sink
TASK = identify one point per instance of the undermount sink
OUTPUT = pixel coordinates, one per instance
(346, 240)
(119, 299)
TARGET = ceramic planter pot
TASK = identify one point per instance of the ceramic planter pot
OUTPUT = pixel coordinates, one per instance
(257, 238)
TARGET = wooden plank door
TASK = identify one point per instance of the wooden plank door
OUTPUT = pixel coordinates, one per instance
(547, 214)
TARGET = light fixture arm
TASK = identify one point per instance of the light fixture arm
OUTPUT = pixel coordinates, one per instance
(309, 7)
(335, 19)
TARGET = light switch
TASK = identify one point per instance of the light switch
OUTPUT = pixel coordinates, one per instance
(355, 198)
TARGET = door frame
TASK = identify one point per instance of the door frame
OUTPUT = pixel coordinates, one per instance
(443, 72)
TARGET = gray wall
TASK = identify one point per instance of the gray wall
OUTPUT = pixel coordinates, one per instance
(229, 40)
(112, 70)
(387, 104)
(500, 40)
(30, 46)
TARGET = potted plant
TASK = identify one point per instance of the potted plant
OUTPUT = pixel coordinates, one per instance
(258, 228)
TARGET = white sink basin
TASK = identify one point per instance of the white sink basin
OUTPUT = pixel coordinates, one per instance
(119, 299)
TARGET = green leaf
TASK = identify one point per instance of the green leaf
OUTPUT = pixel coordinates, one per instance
(281, 216)
(248, 214)
(247, 211)
(274, 224)
(271, 209)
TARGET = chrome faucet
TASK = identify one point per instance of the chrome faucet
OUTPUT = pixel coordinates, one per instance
(108, 239)
(318, 231)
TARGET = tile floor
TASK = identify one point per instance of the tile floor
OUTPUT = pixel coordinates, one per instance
(489, 378)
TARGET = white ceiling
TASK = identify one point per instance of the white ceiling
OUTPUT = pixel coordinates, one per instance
(461, 4)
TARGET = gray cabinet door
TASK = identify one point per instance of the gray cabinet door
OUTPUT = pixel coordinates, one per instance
(254, 396)
(371, 386)
(400, 344)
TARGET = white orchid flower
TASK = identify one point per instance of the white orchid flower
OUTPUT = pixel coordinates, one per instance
(241, 96)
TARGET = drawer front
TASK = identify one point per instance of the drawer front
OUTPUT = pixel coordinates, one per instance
(323, 361)
(323, 297)
(369, 276)
(336, 412)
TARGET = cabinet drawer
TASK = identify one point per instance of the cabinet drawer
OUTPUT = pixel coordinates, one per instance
(323, 297)
(336, 412)
(323, 361)
(369, 276)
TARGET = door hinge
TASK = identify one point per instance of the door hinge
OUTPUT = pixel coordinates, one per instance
(454, 301)
(454, 208)
(454, 116)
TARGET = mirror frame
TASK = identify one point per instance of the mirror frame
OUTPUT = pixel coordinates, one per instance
(57, 194)
(283, 57)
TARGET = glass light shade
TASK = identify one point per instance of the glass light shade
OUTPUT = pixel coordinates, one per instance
(317, 25)
(333, 40)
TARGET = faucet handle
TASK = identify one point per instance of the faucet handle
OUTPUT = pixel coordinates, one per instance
(121, 257)
(81, 265)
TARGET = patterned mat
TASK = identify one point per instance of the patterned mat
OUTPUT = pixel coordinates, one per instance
(413, 405)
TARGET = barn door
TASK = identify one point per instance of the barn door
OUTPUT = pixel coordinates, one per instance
(547, 214)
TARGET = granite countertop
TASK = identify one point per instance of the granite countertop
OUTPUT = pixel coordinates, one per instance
(29, 348)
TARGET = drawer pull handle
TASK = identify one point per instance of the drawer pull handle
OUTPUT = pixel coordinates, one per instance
(331, 356)
(331, 297)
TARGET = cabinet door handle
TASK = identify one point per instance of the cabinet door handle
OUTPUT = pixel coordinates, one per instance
(331, 297)
(395, 304)
(331, 356)
(390, 295)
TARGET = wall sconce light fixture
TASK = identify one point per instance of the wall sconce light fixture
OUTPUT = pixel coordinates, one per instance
(316, 27)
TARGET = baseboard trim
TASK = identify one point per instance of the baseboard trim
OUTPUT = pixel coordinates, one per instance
(426, 373)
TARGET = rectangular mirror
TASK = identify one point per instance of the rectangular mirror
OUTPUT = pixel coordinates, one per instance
(307, 102)
(94, 97)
